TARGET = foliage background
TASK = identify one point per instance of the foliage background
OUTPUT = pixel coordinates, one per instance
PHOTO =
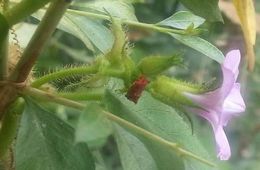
(243, 132)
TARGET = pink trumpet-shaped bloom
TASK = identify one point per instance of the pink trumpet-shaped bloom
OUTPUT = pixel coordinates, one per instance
(220, 105)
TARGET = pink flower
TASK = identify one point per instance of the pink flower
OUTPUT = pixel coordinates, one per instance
(220, 105)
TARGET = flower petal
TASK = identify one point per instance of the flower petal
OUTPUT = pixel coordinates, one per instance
(230, 72)
(220, 105)
(229, 80)
(207, 101)
(210, 116)
(223, 147)
(233, 104)
(232, 61)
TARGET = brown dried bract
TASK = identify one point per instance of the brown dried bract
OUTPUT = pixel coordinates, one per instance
(136, 89)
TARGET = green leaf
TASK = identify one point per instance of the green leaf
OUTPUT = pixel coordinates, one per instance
(100, 167)
(205, 8)
(115, 8)
(182, 20)
(87, 29)
(201, 45)
(45, 142)
(161, 120)
(133, 153)
(92, 33)
(93, 127)
(100, 163)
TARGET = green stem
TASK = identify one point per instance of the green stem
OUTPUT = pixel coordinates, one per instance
(3, 59)
(113, 72)
(131, 23)
(8, 130)
(64, 73)
(23, 9)
(88, 94)
(41, 36)
(52, 98)
(46, 96)
(3, 47)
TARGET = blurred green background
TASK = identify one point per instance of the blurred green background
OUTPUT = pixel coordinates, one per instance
(243, 132)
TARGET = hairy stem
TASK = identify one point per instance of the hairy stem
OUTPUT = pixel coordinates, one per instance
(52, 98)
(23, 9)
(8, 130)
(128, 22)
(39, 39)
(83, 70)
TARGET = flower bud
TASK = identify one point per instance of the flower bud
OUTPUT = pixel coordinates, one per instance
(154, 65)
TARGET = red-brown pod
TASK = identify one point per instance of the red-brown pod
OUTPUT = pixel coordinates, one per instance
(136, 89)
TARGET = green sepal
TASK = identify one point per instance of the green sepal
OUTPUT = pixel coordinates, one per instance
(131, 73)
(170, 91)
